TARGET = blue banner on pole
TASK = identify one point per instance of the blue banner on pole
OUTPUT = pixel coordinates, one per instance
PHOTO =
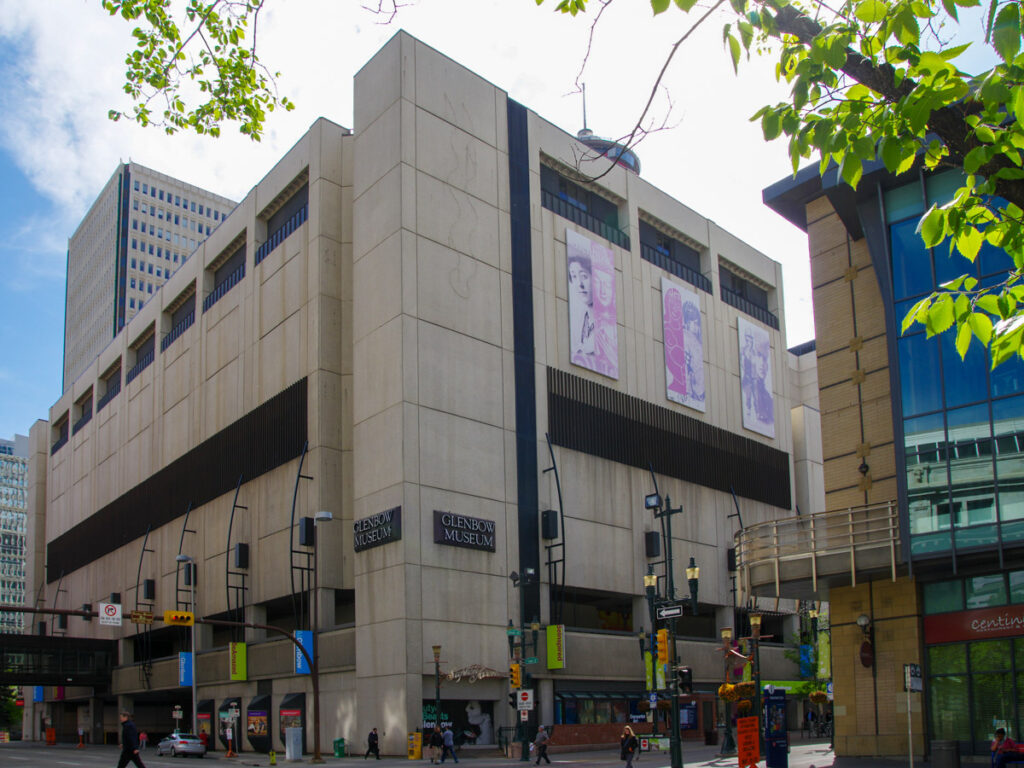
(305, 638)
(37, 693)
(184, 669)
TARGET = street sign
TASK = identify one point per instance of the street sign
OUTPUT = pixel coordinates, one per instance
(513, 632)
(531, 660)
(524, 699)
(652, 699)
(524, 715)
(912, 678)
(110, 614)
(670, 611)
(140, 617)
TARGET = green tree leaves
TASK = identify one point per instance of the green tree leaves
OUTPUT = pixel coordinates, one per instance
(196, 65)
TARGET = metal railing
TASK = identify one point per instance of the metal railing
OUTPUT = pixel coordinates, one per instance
(588, 221)
(226, 285)
(85, 419)
(822, 544)
(683, 272)
(281, 234)
(113, 387)
(184, 324)
(140, 366)
(743, 304)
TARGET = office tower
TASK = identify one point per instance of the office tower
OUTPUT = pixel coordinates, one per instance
(13, 498)
(140, 229)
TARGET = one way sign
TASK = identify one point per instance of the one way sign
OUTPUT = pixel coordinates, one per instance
(524, 699)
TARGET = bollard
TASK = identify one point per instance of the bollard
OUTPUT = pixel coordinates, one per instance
(273, 757)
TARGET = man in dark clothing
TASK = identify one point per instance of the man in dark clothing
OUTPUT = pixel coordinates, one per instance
(372, 745)
(129, 742)
(540, 744)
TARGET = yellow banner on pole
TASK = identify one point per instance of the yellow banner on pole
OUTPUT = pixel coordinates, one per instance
(237, 661)
(556, 646)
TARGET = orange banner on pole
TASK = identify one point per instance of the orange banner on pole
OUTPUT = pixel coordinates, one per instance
(747, 744)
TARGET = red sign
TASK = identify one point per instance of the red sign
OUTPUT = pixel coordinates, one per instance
(980, 624)
(203, 716)
(291, 713)
(747, 744)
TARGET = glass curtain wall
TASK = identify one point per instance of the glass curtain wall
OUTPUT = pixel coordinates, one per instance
(963, 425)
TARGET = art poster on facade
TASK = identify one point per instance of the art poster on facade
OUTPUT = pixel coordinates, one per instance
(471, 720)
(238, 662)
(593, 317)
(757, 400)
(684, 346)
(556, 646)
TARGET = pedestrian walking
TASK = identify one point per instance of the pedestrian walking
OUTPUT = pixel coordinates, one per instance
(129, 742)
(436, 743)
(448, 744)
(540, 745)
(143, 740)
(628, 745)
(372, 745)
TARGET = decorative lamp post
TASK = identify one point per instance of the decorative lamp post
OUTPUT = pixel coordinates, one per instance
(755, 636)
(651, 591)
(692, 579)
(437, 685)
(190, 566)
(728, 743)
(322, 516)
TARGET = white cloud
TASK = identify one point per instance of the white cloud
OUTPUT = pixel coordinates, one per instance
(56, 95)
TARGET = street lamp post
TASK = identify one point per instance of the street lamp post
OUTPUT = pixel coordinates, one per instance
(322, 516)
(437, 685)
(728, 743)
(190, 565)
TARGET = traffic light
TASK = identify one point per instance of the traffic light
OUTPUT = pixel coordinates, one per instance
(512, 701)
(685, 678)
(515, 673)
(663, 646)
(181, 618)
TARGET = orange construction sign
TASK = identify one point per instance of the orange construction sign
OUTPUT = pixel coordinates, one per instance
(747, 742)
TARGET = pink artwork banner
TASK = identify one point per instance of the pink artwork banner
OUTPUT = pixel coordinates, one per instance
(593, 332)
(684, 345)
(758, 399)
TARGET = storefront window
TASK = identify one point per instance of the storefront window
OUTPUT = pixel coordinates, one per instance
(993, 706)
(947, 702)
(947, 659)
(942, 597)
(985, 592)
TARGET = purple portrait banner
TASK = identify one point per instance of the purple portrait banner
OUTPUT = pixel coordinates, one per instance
(593, 333)
(756, 378)
(684, 345)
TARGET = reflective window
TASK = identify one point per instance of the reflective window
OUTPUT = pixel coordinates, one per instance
(965, 379)
(942, 597)
(911, 267)
(1008, 378)
(985, 592)
(921, 389)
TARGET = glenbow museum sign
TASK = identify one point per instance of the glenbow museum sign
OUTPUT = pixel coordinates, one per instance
(462, 531)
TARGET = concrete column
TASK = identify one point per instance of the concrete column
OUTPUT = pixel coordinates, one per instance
(96, 721)
(255, 614)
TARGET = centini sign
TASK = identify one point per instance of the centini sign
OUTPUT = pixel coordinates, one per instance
(979, 624)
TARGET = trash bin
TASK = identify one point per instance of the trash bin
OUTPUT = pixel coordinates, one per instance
(945, 754)
(293, 744)
(416, 746)
(339, 747)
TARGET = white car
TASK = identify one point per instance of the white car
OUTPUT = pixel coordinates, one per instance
(181, 744)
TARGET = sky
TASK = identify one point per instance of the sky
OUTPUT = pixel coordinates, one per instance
(61, 70)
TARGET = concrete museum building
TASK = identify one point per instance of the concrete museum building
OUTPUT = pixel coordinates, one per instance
(426, 373)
